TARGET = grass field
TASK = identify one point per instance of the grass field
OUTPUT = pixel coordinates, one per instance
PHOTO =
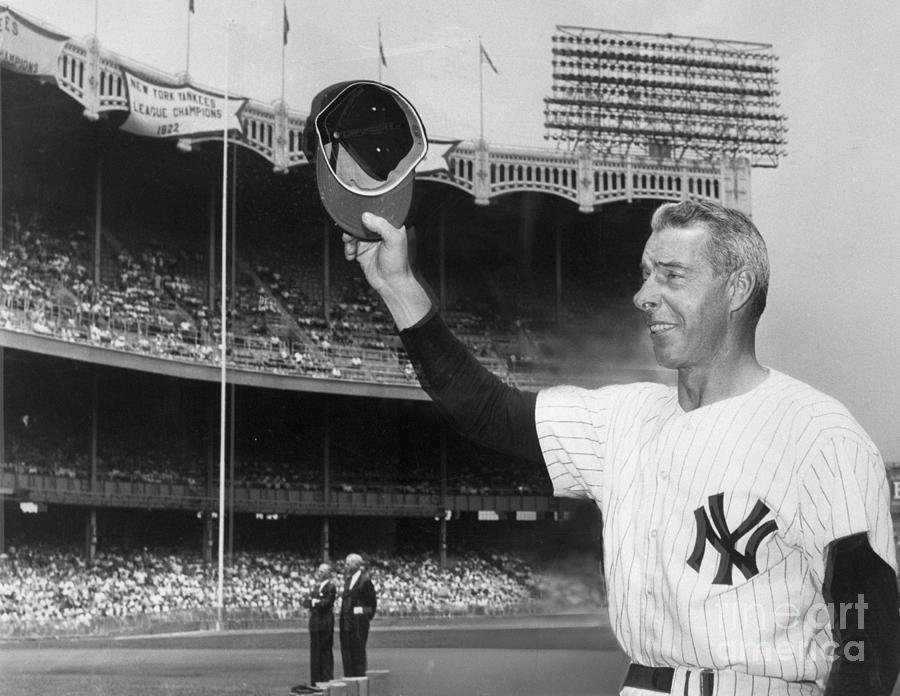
(563, 656)
(558, 656)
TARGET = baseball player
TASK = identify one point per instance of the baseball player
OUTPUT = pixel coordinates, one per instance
(747, 530)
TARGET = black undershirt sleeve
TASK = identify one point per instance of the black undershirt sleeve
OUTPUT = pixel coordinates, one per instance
(862, 590)
(477, 403)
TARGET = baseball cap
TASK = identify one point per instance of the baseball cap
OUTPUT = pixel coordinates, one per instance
(366, 139)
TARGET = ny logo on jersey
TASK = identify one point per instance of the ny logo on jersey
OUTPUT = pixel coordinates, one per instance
(723, 540)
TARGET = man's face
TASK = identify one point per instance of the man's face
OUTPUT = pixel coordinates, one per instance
(684, 303)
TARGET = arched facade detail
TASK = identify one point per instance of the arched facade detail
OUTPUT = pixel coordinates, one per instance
(584, 177)
(588, 179)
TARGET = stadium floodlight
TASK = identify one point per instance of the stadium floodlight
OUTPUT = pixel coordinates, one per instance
(667, 96)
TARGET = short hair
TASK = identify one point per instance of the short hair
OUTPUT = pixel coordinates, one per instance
(354, 559)
(734, 241)
(324, 568)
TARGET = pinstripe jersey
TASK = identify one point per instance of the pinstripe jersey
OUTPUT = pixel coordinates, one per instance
(716, 520)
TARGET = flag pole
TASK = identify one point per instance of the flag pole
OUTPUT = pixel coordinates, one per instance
(380, 50)
(283, 45)
(187, 57)
(2, 227)
(223, 333)
(481, 86)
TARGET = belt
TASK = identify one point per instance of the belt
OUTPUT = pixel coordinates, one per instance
(660, 679)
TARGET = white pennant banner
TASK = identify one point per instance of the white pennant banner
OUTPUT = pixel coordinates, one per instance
(27, 48)
(160, 111)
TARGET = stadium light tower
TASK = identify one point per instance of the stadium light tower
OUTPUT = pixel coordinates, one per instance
(664, 96)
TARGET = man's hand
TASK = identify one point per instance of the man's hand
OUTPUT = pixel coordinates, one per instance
(386, 266)
(385, 263)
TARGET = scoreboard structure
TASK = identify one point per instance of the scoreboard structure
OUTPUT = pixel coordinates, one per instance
(664, 96)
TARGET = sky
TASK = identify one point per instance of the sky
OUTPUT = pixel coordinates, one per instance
(826, 211)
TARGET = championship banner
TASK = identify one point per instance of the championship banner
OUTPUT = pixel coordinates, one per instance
(160, 111)
(27, 48)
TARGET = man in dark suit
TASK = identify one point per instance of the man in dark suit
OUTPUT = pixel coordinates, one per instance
(320, 603)
(358, 605)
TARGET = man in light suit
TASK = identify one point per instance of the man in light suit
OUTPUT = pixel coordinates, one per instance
(358, 606)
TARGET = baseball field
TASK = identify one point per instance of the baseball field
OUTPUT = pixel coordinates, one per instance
(565, 656)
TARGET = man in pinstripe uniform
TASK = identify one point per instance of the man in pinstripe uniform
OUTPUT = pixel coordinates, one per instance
(747, 530)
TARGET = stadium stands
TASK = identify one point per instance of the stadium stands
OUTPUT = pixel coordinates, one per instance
(474, 472)
(151, 300)
(50, 591)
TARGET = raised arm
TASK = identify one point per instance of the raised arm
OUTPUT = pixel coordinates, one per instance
(477, 403)
(386, 267)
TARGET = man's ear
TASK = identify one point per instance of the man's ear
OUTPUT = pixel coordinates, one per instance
(741, 287)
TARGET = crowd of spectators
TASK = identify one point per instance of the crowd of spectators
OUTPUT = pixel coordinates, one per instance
(472, 585)
(52, 591)
(52, 445)
(490, 477)
(470, 479)
(153, 300)
(51, 453)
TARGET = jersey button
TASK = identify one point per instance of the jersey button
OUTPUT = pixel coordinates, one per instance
(653, 533)
(664, 474)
